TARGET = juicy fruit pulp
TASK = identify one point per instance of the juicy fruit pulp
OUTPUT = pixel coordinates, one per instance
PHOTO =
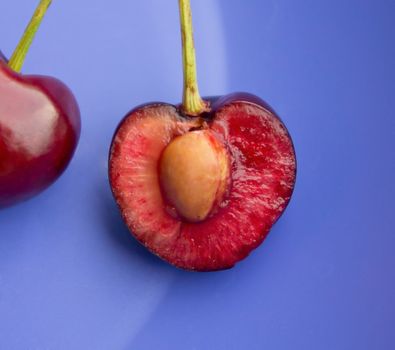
(248, 182)
(39, 131)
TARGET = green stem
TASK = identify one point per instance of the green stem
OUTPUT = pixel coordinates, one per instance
(192, 103)
(18, 57)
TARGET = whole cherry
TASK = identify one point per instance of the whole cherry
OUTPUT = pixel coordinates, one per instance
(39, 124)
(200, 184)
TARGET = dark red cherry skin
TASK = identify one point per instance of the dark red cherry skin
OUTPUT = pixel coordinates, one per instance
(39, 132)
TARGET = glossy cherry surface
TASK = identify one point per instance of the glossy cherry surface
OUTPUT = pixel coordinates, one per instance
(39, 131)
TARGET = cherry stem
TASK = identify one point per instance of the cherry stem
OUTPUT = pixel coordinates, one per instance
(18, 57)
(192, 103)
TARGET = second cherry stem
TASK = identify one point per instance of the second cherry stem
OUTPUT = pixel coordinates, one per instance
(18, 57)
(192, 103)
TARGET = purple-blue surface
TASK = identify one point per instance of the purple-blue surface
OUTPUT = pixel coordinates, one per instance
(71, 277)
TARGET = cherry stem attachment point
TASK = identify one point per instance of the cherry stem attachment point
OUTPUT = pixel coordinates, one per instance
(18, 57)
(192, 103)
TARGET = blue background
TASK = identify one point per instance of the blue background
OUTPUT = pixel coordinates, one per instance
(71, 276)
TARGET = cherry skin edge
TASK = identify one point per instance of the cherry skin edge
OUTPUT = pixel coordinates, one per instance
(2, 57)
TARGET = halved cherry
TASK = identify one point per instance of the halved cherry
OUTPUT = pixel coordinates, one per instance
(201, 184)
